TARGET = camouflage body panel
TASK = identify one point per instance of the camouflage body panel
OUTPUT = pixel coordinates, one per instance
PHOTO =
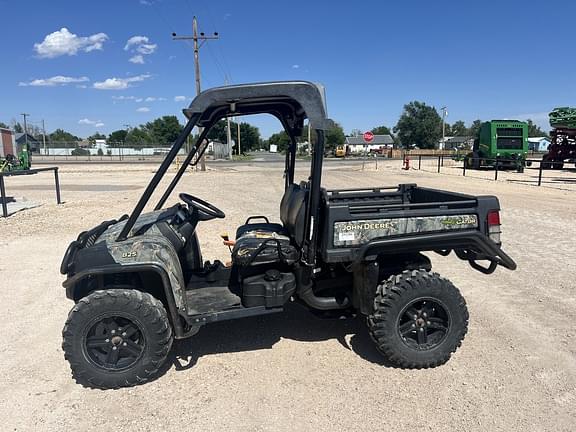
(359, 232)
(151, 247)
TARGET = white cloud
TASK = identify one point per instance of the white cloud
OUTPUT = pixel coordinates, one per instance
(135, 40)
(146, 49)
(137, 59)
(140, 46)
(119, 83)
(295, 66)
(95, 123)
(138, 99)
(63, 42)
(179, 98)
(143, 109)
(57, 80)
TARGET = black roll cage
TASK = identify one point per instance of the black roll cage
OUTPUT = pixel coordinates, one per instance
(289, 101)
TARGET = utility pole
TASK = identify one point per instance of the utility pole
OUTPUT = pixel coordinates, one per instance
(228, 131)
(25, 129)
(229, 138)
(444, 114)
(44, 137)
(239, 149)
(309, 140)
(195, 38)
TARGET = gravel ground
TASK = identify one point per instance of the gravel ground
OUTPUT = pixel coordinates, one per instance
(515, 371)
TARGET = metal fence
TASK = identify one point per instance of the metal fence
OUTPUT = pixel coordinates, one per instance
(536, 172)
(62, 151)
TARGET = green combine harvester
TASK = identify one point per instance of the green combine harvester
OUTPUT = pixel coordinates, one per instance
(562, 148)
(501, 143)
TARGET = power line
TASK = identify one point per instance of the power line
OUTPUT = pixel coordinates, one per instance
(195, 38)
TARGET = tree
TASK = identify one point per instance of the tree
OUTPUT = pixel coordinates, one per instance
(218, 132)
(118, 136)
(137, 137)
(281, 139)
(249, 137)
(97, 136)
(4, 125)
(381, 130)
(534, 130)
(100, 152)
(356, 132)
(474, 129)
(419, 125)
(18, 128)
(62, 135)
(164, 130)
(304, 135)
(459, 128)
(334, 137)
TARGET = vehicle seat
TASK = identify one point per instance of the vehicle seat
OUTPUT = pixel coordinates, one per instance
(266, 246)
(263, 247)
(258, 226)
(267, 225)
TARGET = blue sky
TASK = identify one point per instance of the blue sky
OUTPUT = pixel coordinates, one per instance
(96, 66)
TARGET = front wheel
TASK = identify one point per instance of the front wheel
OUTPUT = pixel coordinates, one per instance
(419, 319)
(116, 338)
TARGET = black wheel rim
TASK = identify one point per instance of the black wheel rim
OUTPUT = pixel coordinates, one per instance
(114, 343)
(424, 324)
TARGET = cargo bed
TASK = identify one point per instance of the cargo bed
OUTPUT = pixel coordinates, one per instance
(408, 218)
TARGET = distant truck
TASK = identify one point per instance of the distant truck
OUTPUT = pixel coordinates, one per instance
(502, 142)
(340, 151)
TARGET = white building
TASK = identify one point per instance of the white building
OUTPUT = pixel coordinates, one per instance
(538, 144)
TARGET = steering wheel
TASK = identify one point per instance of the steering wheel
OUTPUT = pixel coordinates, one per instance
(204, 208)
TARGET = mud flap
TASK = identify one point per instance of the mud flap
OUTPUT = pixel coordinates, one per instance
(366, 278)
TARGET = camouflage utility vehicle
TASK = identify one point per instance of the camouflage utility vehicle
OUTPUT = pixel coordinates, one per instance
(140, 281)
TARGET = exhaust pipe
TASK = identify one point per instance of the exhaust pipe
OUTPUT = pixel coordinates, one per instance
(323, 303)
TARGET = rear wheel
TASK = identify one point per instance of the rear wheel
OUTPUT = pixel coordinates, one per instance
(116, 338)
(419, 319)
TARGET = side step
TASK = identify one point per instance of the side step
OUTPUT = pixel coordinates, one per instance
(218, 303)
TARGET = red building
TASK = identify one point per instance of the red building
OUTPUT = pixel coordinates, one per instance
(7, 142)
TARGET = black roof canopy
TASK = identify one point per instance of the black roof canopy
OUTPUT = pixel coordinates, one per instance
(290, 101)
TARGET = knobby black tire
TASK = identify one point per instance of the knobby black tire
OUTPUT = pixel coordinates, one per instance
(154, 323)
(397, 292)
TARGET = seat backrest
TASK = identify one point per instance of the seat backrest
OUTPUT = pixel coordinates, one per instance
(293, 212)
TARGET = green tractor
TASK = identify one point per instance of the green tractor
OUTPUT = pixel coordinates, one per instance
(500, 143)
(20, 162)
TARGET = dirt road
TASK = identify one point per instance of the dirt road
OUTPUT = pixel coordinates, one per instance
(292, 372)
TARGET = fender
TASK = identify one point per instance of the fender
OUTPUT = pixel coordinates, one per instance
(71, 283)
(483, 248)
